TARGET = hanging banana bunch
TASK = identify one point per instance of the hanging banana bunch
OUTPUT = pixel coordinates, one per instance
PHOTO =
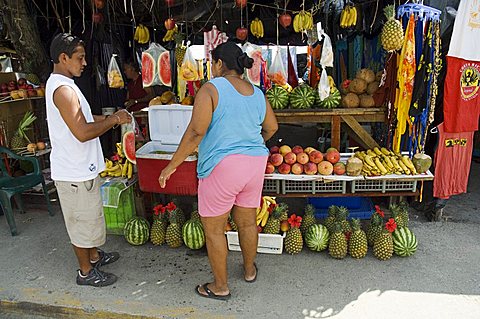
(142, 35)
(348, 17)
(303, 21)
(170, 35)
(256, 28)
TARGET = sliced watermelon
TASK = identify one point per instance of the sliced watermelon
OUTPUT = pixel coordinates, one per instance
(253, 74)
(128, 146)
(164, 69)
(148, 69)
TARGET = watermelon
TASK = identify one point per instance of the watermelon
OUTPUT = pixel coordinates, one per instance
(137, 231)
(302, 97)
(278, 97)
(148, 69)
(404, 242)
(317, 237)
(332, 101)
(128, 146)
(193, 234)
(253, 74)
(164, 69)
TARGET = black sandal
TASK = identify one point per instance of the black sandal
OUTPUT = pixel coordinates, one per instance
(210, 294)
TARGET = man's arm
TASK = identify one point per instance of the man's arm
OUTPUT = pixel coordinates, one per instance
(66, 100)
(98, 118)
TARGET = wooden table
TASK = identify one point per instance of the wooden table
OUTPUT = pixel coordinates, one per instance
(352, 117)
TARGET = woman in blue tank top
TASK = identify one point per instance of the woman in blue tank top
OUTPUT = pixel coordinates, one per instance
(230, 123)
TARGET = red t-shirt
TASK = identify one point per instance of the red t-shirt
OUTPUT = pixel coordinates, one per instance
(135, 92)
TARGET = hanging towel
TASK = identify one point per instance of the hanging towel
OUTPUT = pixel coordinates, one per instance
(465, 43)
(212, 39)
(405, 76)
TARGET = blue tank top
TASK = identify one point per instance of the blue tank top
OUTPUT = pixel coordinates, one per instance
(236, 127)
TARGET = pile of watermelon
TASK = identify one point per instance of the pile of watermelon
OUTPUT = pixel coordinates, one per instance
(137, 231)
(278, 97)
(332, 101)
(302, 97)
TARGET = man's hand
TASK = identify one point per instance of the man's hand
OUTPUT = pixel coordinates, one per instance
(123, 117)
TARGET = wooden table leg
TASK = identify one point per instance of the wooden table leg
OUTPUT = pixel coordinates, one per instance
(358, 130)
(336, 132)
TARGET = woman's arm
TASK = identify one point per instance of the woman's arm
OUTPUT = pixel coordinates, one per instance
(269, 125)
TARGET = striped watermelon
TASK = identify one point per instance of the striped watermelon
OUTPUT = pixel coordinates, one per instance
(317, 237)
(278, 97)
(193, 234)
(137, 231)
(332, 101)
(404, 242)
(302, 97)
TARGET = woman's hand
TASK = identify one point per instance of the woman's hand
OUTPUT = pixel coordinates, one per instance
(165, 175)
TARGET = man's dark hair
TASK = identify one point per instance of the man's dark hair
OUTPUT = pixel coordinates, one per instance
(64, 43)
(232, 56)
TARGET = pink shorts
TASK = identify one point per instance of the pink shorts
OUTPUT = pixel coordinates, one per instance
(236, 180)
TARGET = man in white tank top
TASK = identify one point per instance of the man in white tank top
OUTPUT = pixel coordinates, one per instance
(77, 159)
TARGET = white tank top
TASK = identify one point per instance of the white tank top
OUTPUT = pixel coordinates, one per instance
(70, 159)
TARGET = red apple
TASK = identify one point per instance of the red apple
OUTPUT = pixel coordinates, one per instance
(308, 150)
(270, 168)
(22, 81)
(284, 149)
(302, 158)
(241, 34)
(241, 3)
(4, 87)
(333, 156)
(11, 88)
(297, 168)
(339, 168)
(274, 149)
(97, 18)
(315, 157)
(310, 168)
(284, 169)
(99, 4)
(31, 93)
(29, 87)
(290, 158)
(169, 24)
(276, 159)
(297, 149)
(285, 20)
(325, 168)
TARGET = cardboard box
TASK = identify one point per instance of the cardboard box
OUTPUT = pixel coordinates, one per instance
(11, 113)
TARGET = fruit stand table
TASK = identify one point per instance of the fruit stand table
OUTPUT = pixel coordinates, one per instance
(352, 117)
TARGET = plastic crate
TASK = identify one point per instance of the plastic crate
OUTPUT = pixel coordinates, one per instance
(267, 243)
(376, 185)
(272, 186)
(117, 217)
(325, 202)
(394, 185)
(293, 186)
(363, 211)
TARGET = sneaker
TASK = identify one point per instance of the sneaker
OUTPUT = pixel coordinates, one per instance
(105, 258)
(96, 278)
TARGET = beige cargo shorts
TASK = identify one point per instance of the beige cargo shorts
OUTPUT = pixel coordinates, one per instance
(82, 209)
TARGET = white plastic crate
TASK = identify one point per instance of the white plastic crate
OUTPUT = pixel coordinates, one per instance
(272, 186)
(389, 185)
(396, 185)
(313, 187)
(368, 186)
(267, 243)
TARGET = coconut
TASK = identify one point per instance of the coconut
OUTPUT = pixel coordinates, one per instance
(354, 166)
(367, 101)
(422, 162)
(351, 100)
(373, 87)
(366, 74)
(358, 86)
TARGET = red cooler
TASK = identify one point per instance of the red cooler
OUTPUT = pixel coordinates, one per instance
(166, 124)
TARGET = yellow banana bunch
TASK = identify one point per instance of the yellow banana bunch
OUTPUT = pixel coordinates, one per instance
(262, 211)
(348, 17)
(121, 167)
(256, 28)
(170, 35)
(120, 150)
(142, 35)
(303, 21)
(381, 161)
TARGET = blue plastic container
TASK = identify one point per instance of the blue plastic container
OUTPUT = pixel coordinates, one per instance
(362, 211)
(325, 202)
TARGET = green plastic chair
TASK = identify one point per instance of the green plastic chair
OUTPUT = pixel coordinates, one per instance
(15, 186)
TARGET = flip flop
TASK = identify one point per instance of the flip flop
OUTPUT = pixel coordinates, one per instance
(256, 273)
(210, 294)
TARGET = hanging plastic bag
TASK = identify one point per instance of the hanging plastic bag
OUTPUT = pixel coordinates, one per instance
(277, 71)
(189, 70)
(115, 79)
(156, 68)
(323, 85)
(326, 58)
(254, 52)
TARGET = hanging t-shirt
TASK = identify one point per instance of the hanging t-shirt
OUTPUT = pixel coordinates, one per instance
(452, 163)
(461, 102)
(465, 43)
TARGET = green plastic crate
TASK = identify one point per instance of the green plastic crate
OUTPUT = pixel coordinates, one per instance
(117, 216)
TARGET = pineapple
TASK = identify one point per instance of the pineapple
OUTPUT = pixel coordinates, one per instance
(273, 222)
(180, 49)
(308, 219)
(232, 222)
(293, 239)
(374, 228)
(383, 246)
(284, 215)
(395, 210)
(357, 246)
(174, 230)
(180, 214)
(330, 220)
(159, 228)
(337, 246)
(392, 31)
(20, 139)
(404, 212)
(342, 215)
(195, 215)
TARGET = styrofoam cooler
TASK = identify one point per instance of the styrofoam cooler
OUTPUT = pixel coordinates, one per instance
(167, 123)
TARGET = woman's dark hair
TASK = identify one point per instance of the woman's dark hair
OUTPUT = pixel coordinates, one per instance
(133, 63)
(64, 43)
(232, 56)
